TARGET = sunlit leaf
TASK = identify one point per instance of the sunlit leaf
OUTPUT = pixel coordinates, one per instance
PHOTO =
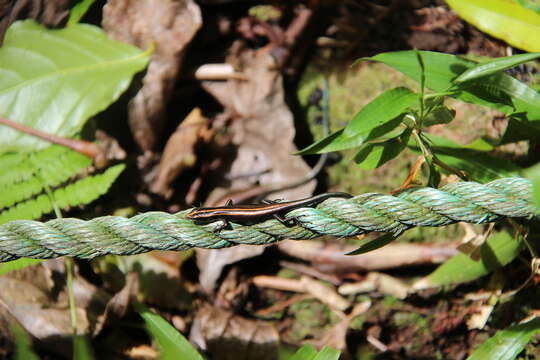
(497, 251)
(306, 352)
(78, 11)
(492, 66)
(533, 5)
(54, 80)
(503, 19)
(171, 343)
(17, 265)
(380, 110)
(442, 69)
(327, 353)
(508, 343)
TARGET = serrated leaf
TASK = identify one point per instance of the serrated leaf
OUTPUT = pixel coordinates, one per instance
(380, 110)
(171, 342)
(508, 343)
(54, 80)
(497, 251)
(442, 69)
(492, 66)
(503, 19)
(373, 245)
(80, 192)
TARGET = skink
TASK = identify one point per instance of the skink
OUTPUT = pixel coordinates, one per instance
(257, 212)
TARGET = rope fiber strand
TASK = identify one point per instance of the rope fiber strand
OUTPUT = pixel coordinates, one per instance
(463, 201)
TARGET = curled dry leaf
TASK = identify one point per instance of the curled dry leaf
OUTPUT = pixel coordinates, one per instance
(227, 336)
(179, 153)
(170, 26)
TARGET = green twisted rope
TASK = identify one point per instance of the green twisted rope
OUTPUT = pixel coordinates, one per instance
(464, 201)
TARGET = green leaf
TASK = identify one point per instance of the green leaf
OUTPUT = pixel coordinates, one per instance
(78, 11)
(495, 65)
(533, 5)
(478, 164)
(306, 352)
(173, 344)
(82, 349)
(442, 69)
(18, 264)
(373, 155)
(502, 19)
(533, 174)
(508, 343)
(439, 115)
(327, 353)
(23, 350)
(497, 251)
(54, 80)
(380, 110)
(373, 245)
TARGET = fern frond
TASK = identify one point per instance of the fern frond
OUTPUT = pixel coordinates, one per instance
(80, 192)
(25, 175)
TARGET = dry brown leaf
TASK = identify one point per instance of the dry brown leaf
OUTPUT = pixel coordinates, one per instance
(226, 336)
(168, 24)
(262, 126)
(331, 258)
(179, 153)
(212, 262)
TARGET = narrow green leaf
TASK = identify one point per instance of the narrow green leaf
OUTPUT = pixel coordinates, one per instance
(439, 115)
(503, 19)
(82, 349)
(497, 251)
(54, 80)
(508, 343)
(495, 65)
(23, 350)
(334, 142)
(18, 264)
(373, 245)
(327, 353)
(306, 352)
(78, 11)
(172, 344)
(480, 165)
(373, 155)
(442, 69)
(380, 110)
